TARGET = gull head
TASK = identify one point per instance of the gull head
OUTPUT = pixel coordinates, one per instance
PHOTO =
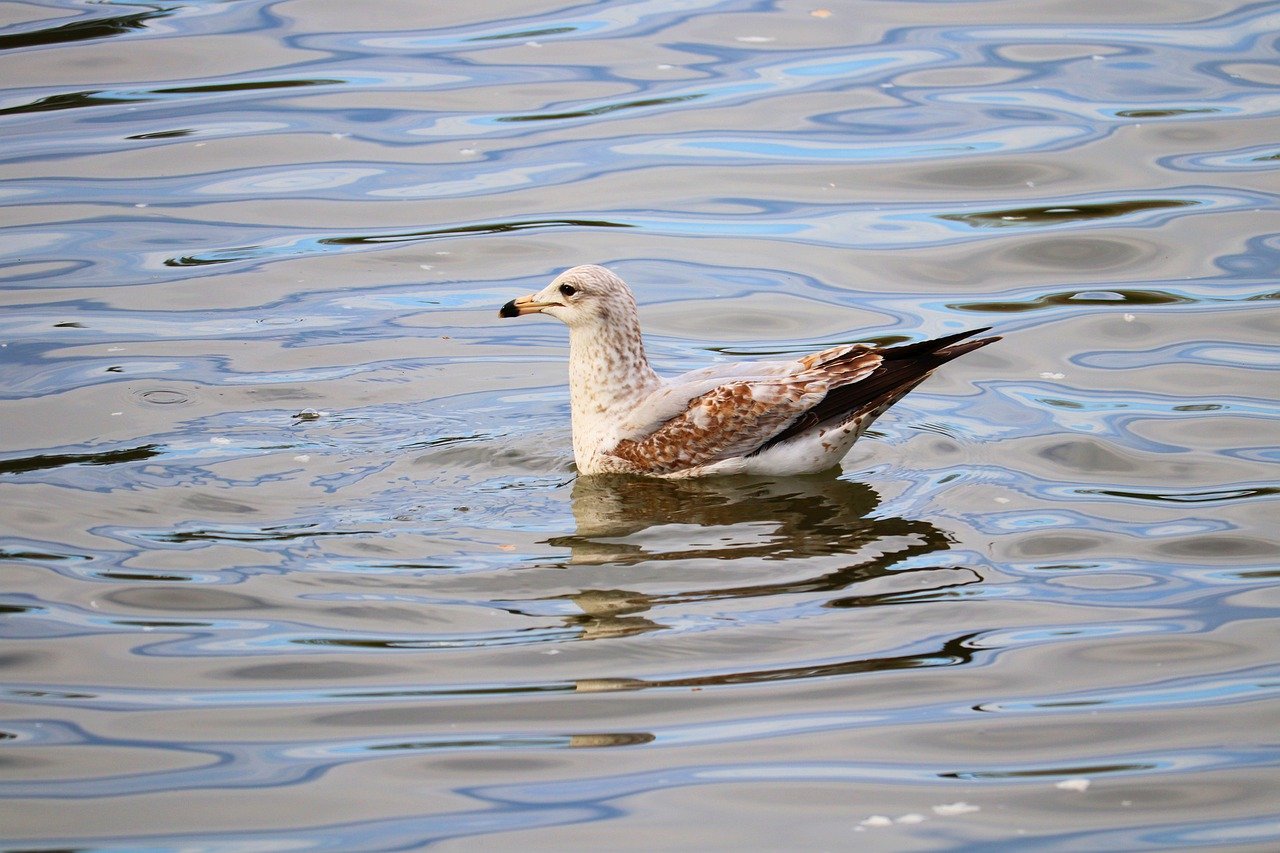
(582, 297)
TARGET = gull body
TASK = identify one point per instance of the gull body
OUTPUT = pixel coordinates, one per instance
(759, 417)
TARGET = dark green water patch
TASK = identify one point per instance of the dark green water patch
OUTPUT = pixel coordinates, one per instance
(1206, 496)
(51, 694)
(244, 86)
(139, 576)
(462, 230)
(265, 534)
(956, 651)
(469, 690)
(197, 261)
(160, 623)
(517, 637)
(68, 101)
(1170, 113)
(1014, 217)
(1050, 772)
(594, 739)
(526, 34)
(82, 30)
(41, 462)
(163, 134)
(18, 608)
(306, 245)
(99, 98)
(1075, 297)
(602, 110)
(38, 556)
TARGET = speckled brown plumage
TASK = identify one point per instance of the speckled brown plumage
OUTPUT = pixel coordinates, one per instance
(730, 420)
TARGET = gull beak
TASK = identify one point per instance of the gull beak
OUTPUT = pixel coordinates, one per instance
(524, 305)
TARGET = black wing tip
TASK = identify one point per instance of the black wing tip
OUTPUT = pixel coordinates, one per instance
(901, 369)
(947, 346)
(956, 350)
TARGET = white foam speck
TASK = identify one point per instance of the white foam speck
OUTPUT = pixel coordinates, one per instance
(877, 820)
(1072, 785)
(953, 809)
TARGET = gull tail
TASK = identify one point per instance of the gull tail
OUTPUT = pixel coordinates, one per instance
(901, 369)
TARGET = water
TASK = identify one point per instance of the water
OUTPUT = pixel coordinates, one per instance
(293, 551)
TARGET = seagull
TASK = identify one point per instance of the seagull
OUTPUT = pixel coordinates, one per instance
(771, 418)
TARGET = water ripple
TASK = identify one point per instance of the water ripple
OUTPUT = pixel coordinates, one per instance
(870, 227)
(277, 483)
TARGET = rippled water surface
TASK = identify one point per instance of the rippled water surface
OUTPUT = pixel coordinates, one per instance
(294, 555)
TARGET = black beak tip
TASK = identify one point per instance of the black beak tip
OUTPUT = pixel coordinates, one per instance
(509, 310)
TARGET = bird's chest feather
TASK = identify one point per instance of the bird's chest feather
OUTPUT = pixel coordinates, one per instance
(605, 381)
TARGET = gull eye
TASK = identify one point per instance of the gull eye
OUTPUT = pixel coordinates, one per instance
(568, 290)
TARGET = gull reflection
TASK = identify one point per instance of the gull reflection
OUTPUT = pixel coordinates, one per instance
(822, 531)
(628, 520)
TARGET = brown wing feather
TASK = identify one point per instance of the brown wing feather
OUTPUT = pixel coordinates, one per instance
(724, 422)
(733, 419)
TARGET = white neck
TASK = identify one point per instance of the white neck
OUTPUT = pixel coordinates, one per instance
(608, 373)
